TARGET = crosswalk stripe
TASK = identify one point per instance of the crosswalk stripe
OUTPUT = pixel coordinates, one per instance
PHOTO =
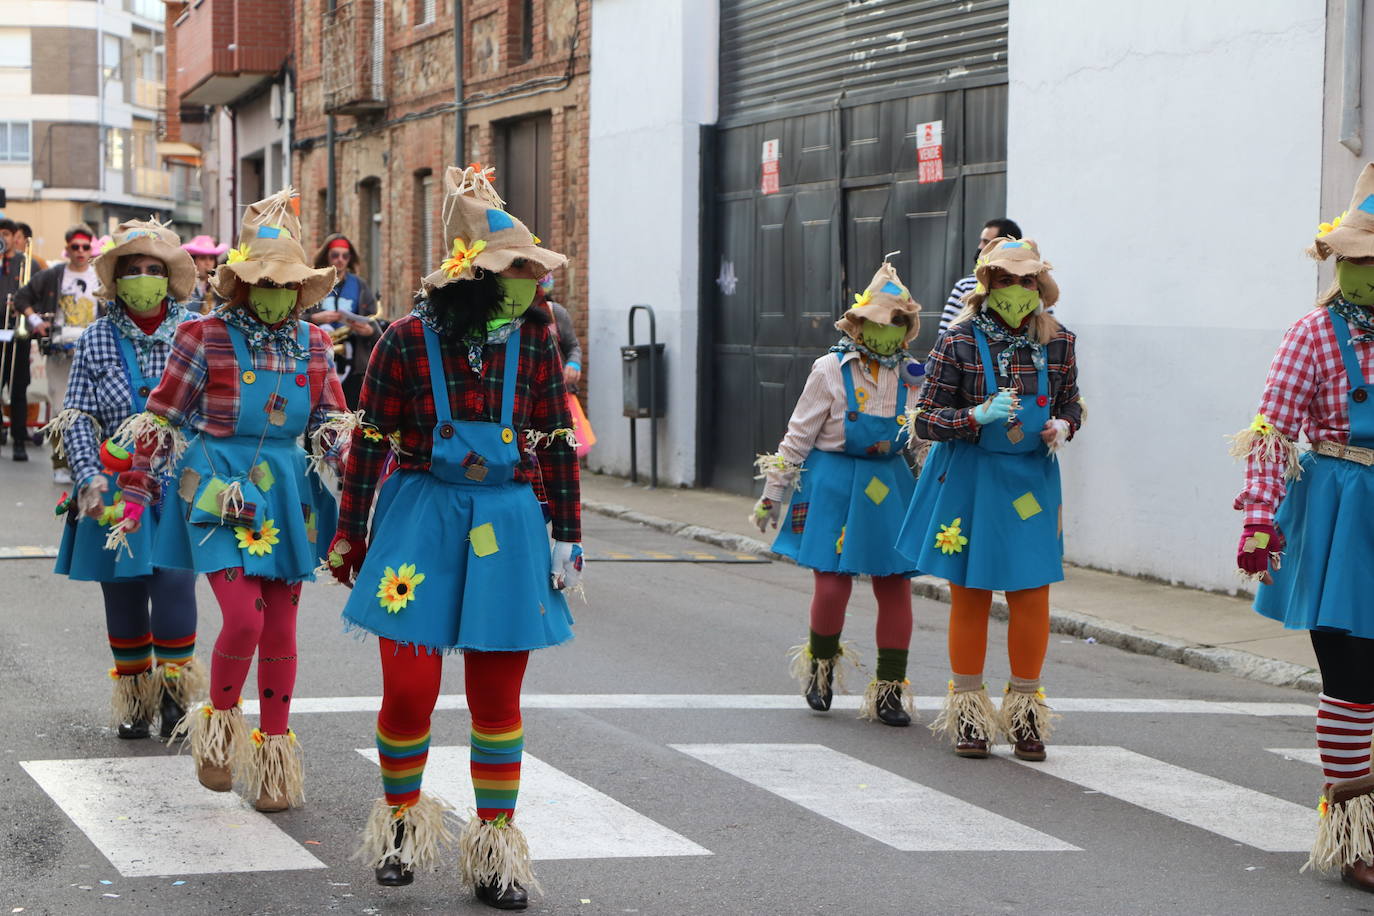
(874, 802)
(1305, 754)
(793, 703)
(562, 817)
(149, 816)
(1235, 812)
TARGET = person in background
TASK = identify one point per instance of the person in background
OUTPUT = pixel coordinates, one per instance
(568, 345)
(14, 352)
(205, 254)
(59, 304)
(347, 314)
(23, 238)
(1002, 226)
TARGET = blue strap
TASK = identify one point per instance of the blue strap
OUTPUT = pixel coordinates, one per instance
(303, 338)
(126, 349)
(241, 354)
(901, 394)
(438, 384)
(1341, 328)
(989, 373)
(851, 398)
(508, 381)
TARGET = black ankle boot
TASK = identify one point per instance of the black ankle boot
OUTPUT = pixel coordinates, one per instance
(134, 729)
(171, 713)
(392, 873)
(889, 708)
(21, 449)
(512, 898)
(818, 691)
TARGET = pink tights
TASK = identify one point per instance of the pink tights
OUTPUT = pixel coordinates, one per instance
(894, 607)
(259, 616)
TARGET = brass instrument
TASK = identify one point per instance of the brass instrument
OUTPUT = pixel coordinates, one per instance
(340, 335)
(21, 327)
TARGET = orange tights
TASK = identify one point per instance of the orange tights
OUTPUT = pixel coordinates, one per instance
(1028, 634)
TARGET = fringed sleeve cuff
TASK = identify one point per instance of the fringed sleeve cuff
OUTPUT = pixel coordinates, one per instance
(1262, 441)
(536, 439)
(330, 440)
(153, 435)
(780, 474)
(64, 421)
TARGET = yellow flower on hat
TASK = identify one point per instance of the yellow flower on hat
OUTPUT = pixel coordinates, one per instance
(536, 239)
(238, 254)
(1324, 228)
(260, 542)
(862, 299)
(463, 256)
(949, 540)
(397, 587)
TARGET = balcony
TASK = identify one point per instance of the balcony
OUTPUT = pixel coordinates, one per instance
(150, 94)
(354, 39)
(152, 182)
(227, 48)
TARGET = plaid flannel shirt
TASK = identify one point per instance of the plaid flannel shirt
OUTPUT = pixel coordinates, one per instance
(99, 388)
(954, 383)
(397, 399)
(1306, 392)
(199, 391)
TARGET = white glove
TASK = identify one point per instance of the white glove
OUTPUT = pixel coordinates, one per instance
(91, 500)
(766, 513)
(999, 407)
(1055, 433)
(567, 565)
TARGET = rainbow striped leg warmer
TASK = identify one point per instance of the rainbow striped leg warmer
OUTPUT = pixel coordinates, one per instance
(495, 763)
(402, 758)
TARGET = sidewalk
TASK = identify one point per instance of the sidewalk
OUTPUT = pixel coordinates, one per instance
(1200, 629)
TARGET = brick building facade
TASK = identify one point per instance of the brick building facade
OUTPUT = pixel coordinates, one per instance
(396, 109)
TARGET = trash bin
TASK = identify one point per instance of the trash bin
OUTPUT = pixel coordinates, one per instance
(644, 380)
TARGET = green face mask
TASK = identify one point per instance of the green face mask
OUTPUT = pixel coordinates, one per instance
(271, 305)
(517, 296)
(1014, 303)
(142, 294)
(883, 339)
(1356, 282)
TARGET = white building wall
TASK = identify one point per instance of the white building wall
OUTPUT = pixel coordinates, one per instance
(653, 84)
(1167, 156)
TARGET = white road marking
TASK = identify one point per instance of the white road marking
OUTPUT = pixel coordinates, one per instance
(149, 816)
(562, 817)
(1305, 754)
(794, 703)
(1235, 812)
(882, 805)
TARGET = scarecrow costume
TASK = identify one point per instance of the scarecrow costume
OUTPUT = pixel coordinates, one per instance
(245, 504)
(841, 459)
(1000, 398)
(458, 558)
(150, 612)
(1313, 509)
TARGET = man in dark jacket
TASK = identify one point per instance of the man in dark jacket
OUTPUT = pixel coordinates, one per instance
(14, 341)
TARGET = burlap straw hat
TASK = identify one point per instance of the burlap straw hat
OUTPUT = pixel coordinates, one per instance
(885, 299)
(138, 236)
(269, 248)
(1019, 257)
(479, 233)
(1350, 235)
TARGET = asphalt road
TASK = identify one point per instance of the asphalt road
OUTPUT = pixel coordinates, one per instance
(686, 785)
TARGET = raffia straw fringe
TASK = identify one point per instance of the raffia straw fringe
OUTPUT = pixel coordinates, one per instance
(1024, 713)
(275, 768)
(535, 438)
(1345, 834)
(776, 468)
(334, 434)
(58, 426)
(117, 539)
(972, 706)
(427, 841)
(877, 690)
(187, 683)
(219, 739)
(799, 666)
(135, 698)
(169, 444)
(488, 854)
(1274, 447)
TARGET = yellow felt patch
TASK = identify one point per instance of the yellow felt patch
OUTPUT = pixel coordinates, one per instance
(877, 491)
(262, 476)
(483, 539)
(1026, 505)
(209, 498)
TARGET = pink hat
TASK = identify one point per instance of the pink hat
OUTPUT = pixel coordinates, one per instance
(204, 245)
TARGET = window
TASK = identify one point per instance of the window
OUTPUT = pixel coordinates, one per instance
(148, 9)
(114, 48)
(427, 12)
(14, 141)
(526, 29)
(424, 204)
(15, 49)
(114, 148)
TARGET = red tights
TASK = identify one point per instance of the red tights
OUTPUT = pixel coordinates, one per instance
(894, 607)
(259, 617)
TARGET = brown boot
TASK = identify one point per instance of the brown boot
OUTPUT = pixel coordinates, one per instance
(275, 772)
(1026, 718)
(214, 776)
(269, 803)
(968, 718)
(216, 737)
(1359, 875)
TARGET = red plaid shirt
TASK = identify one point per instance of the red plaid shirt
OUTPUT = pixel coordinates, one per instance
(1306, 392)
(199, 390)
(397, 398)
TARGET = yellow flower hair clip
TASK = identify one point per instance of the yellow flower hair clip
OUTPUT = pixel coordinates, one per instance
(238, 254)
(463, 256)
(862, 299)
(1324, 228)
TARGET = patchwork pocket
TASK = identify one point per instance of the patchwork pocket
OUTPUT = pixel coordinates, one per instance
(225, 501)
(799, 517)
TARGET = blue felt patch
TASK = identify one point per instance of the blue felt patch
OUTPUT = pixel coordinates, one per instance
(272, 232)
(1367, 205)
(1015, 245)
(892, 289)
(498, 220)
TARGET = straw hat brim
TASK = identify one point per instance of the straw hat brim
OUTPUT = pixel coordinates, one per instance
(499, 260)
(1344, 242)
(315, 284)
(852, 322)
(181, 270)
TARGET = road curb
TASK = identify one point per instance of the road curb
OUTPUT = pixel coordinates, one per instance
(1216, 659)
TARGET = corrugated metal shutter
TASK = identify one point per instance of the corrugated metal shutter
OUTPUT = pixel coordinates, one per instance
(777, 54)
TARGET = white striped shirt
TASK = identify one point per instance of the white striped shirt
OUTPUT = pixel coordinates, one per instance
(955, 303)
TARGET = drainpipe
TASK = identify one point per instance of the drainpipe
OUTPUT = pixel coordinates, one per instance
(458, 120)
(233, 173)
(331, 206)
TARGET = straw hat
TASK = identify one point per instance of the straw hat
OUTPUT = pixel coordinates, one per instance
(269, 249)
(152, 238)
(1019, 257)
(1350, 235)
(204, 246)
(479, 233)
(885, 299)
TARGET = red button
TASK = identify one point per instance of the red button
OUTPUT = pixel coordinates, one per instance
(1042, 400)
(300, 381)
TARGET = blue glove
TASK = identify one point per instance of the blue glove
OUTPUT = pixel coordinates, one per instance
(999, 407)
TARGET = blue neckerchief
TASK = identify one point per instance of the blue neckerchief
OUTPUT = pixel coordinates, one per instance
(1357, 315)
(259, 336)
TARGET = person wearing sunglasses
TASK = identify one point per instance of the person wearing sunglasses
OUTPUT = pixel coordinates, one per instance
(59, 304)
